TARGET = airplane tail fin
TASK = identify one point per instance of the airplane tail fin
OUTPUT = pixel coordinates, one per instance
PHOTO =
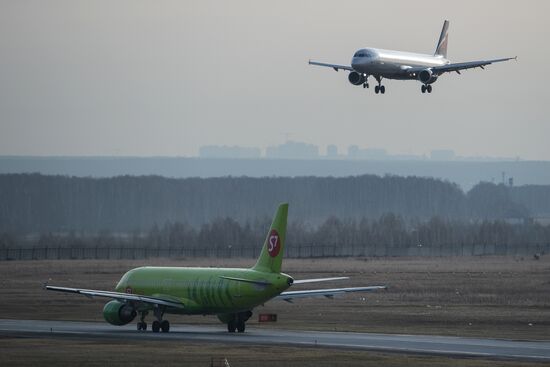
(271, 257)
(441, 49)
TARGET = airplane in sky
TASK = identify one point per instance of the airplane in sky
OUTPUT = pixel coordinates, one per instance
(405, 65)
(229, 293)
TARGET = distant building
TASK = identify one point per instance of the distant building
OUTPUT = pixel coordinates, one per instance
(293, 150)
(215, 151)
(373, 153)
(332, 151)
(354, 152)
(442, 155)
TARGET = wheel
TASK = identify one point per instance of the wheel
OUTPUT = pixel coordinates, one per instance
(165, 326)
(231, 326)
(240, 326)
(423, 88)
(141, 326)
(382, 89)
(155, 326)
(365, 85)
(429, 88)
(377, 89)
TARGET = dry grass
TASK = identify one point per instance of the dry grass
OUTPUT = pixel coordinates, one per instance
(502, 297)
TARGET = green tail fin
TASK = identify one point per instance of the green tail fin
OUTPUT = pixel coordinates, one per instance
(271, 257)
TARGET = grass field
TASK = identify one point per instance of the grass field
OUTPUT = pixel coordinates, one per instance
(77, 352)
(499, 297)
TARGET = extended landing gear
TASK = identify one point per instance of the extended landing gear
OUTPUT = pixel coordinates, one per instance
(238, 322)
(426, 88)
(163, 325)
(142, 325)
(236, 325)
(159, 324)
(366, 82)
(379, 88)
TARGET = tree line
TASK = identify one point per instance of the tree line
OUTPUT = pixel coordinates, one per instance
(389, 231)
(34, 203)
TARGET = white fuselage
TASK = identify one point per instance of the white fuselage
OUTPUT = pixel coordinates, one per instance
(392, 64)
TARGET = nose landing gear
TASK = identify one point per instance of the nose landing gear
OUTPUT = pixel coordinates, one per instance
(365, 81)
(142, 325)
(426, 88)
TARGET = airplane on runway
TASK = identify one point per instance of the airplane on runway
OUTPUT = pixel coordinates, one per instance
(229, 293)
(400, 65)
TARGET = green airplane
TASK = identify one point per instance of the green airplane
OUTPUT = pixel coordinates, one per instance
(229, 293)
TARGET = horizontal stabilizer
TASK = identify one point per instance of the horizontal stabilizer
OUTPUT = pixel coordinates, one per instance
(328, 293)
(258, 282)
(303, 281)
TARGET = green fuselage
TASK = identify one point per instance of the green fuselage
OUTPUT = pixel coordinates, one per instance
(204, 290)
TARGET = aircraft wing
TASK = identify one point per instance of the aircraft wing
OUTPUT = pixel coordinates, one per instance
(334, 66)
(119, 296)
(459, 66)
(328, 293)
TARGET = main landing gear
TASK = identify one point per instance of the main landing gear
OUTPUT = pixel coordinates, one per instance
(426, 88)
(379, 88)
(158, 325)
(142, 325)
(163, 325)
(237, 323)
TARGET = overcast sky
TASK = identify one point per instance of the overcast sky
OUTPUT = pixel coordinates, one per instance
(154, 78)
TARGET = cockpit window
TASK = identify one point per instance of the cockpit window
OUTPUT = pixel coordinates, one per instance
(362, 54)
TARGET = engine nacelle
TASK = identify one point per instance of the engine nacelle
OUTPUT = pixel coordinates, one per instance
(118, 313)
(426, 76)
(355, 78)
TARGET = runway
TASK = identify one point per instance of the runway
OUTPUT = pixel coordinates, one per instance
(424, 344)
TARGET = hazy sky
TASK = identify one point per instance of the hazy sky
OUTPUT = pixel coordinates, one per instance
(165, 77)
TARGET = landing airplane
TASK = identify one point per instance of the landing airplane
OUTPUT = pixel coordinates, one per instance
(405, 65)
(229, 293)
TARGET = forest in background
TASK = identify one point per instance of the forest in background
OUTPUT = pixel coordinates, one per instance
(34, 203)
(359, 213)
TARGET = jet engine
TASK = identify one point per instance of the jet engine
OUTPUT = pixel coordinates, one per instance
(118, 313)
(355, 78)
(427, 76)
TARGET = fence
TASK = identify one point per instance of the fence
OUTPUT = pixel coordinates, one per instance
(291, 251)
